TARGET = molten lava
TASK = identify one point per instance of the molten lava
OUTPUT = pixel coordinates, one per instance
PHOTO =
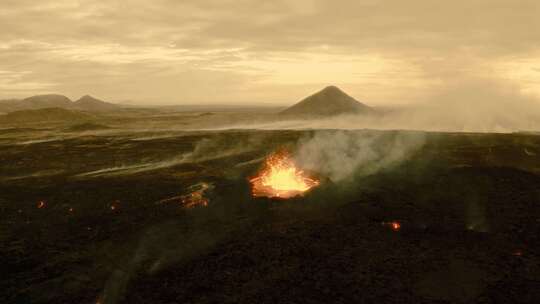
(394, 225)
(281, 178)
(196, 197)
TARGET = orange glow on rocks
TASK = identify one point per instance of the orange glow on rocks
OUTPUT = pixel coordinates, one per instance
(394, 225)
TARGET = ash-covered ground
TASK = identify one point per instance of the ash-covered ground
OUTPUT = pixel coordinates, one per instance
(399, 217)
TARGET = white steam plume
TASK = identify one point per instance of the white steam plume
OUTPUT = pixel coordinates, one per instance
(340, 154)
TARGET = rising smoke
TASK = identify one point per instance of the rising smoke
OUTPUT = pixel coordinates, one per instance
(341, 154)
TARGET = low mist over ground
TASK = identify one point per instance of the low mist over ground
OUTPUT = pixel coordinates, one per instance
(482, 106)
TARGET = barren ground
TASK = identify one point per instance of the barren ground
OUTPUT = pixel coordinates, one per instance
(468, 206)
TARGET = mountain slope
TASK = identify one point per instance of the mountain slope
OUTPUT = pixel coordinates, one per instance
(328, 102)
(89, 103)
(9, 105)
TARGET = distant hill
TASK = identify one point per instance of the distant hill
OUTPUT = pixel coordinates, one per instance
(35, 102)
(47, 101)
(45, 115)
(85, 103)
(91, 104)
(328, 102)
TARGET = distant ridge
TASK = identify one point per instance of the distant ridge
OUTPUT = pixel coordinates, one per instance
(85, 103)
(47, 101)
(329, 101)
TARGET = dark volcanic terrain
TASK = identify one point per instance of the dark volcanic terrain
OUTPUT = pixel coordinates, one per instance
(95, 218)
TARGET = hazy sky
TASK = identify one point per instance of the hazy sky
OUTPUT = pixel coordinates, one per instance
(253, 51)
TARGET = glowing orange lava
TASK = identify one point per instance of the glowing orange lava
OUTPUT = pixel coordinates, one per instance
(395, 225)
(115, 205)
(195, 199)
(281, 178)
(197, 196)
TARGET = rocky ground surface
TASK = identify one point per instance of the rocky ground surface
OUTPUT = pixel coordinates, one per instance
(100, 219)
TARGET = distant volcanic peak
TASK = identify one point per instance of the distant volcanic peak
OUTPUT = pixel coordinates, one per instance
(88, 98)
(332, 90)
(329, 101)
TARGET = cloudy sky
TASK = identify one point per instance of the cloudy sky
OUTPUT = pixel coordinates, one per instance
(266, 52)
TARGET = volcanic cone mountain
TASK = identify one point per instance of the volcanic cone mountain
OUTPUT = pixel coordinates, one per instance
(328, 102)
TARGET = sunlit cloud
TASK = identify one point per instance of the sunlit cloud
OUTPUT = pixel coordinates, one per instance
(524, 70)
(17, 83)
(168, 51)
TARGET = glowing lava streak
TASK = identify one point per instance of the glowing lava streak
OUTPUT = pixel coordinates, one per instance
(281, 178)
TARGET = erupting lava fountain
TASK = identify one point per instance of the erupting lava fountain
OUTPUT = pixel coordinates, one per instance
(281, 178)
